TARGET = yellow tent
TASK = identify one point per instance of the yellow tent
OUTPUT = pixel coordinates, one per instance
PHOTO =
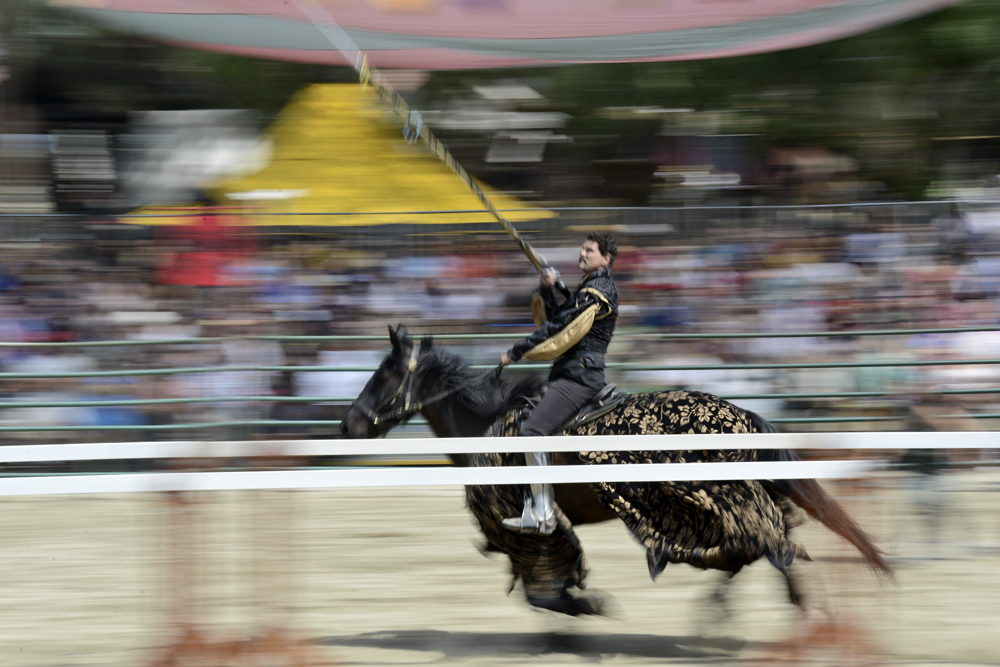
(337, 149)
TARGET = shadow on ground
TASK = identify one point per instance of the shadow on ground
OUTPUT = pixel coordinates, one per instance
(592, 646)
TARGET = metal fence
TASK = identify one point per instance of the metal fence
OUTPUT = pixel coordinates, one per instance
(692, 221)
(904, 395)
(682, 222)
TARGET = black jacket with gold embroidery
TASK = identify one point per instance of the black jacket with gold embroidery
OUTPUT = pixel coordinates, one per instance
(583, 323)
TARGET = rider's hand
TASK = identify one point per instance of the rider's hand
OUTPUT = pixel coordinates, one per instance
(505, 359)
(549, 277)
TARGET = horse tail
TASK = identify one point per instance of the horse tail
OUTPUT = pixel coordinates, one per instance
(810, 496)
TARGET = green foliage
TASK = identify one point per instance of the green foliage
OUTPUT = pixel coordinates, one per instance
(934, 77)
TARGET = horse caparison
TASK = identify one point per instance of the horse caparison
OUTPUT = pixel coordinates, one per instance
(708, 524)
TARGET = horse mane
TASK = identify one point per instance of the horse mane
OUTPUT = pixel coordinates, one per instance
(485, 395)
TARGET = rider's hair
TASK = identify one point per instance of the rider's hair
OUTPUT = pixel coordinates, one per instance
(606, 244)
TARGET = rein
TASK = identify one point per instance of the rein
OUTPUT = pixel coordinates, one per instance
(405, 391)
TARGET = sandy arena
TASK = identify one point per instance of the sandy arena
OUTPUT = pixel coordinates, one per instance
(394, 577)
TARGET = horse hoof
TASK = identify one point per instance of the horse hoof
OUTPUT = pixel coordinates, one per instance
(569, 604)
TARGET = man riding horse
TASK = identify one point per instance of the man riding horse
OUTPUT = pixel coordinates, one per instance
(720, 525)
(575, 333)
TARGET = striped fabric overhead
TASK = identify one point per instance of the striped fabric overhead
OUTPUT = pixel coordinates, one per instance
(464, 34)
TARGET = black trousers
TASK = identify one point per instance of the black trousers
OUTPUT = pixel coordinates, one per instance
(566, 395)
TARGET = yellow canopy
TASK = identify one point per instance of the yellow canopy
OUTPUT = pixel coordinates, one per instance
(338, 149)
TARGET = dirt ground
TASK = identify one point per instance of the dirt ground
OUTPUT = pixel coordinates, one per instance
(394, 577)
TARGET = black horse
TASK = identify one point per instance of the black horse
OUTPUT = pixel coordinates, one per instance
(711, 525)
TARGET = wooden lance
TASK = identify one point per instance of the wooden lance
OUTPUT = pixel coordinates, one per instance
(413, 125)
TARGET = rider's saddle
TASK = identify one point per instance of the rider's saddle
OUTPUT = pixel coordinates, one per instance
(606, 400)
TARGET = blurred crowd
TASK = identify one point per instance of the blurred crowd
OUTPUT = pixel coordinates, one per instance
(909, 273)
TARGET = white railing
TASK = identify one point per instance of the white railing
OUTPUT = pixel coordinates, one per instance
(446, 475)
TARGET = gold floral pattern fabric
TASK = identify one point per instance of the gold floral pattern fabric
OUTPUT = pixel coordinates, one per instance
(722, 525)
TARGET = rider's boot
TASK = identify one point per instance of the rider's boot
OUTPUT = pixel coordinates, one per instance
(539, 515)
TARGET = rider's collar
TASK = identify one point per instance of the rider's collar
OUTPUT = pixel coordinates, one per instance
(598, 273)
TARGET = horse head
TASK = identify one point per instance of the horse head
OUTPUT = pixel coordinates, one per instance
(388, 397)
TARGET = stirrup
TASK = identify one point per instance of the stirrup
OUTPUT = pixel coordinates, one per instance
(515, 525)
(527, 524)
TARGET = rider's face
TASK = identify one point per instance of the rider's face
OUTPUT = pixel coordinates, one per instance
(591, 258)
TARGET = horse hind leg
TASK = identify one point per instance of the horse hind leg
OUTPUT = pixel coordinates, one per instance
(783, 564)
(795, 594)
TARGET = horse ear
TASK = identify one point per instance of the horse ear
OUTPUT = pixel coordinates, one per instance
(425, 345)
(399, 337)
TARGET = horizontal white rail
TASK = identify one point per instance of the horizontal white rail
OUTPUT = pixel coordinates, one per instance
(382, 477)
(422, 446)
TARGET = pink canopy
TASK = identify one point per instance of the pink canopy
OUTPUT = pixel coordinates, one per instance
(461, 34)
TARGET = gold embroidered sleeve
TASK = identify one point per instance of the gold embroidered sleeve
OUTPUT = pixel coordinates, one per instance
(564, 329)
(565, 338)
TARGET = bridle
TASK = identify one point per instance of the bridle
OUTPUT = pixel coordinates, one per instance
(384, 413)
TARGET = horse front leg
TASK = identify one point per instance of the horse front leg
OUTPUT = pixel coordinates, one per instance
(714, 617)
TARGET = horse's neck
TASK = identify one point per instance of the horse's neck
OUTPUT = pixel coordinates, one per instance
(449, 419)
